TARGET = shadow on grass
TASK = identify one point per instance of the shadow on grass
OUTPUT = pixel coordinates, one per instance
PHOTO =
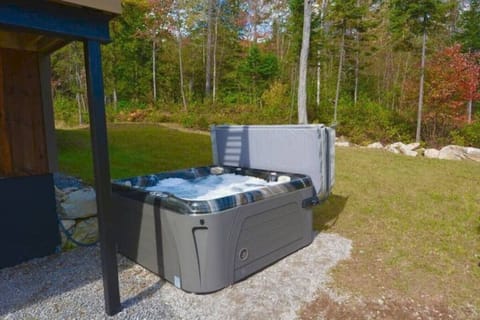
(326, 215)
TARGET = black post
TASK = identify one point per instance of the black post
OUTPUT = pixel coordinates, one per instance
(98, 132)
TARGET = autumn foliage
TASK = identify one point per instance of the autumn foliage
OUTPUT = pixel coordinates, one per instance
(452, 81)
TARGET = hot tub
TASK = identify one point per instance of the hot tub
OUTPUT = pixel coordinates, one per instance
(202, 240)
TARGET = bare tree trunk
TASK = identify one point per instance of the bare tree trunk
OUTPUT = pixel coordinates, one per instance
(318, 79)
(292, 92)
(404, 79)
(208, 65)
(357, 62)
(115, 99)
(339, 75)
(357, 66)
(420, 93)
(180, 64)
(254, 21)
(214, 88)
(154, 74)
(469, 111)
(79, 104)
(303, 68)
(180, 58)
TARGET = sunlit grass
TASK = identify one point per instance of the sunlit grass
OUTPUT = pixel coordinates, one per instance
(134, 150)
(414, 223)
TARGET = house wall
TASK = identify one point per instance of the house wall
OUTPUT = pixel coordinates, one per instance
(23, 145)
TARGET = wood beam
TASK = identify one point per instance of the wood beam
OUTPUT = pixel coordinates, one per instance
(6, 168)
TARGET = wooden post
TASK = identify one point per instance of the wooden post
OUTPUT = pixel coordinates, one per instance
(98, 132)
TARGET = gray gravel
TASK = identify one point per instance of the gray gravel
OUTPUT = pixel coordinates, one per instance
(69, 286)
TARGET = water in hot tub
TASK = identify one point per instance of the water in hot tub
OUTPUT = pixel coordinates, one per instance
(209, 187)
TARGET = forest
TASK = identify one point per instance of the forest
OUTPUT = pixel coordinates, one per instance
(392, 70)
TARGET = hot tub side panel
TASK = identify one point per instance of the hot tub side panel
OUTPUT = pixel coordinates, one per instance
(206, 252)
(138, 232)
(270, 230)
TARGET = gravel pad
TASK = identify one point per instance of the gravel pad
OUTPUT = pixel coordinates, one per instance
(69, 286)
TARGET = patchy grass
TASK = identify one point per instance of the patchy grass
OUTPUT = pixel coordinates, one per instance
(134, 150)
(415, 226)
(414, 222)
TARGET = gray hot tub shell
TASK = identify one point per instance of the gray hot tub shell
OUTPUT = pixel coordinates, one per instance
(203, 246)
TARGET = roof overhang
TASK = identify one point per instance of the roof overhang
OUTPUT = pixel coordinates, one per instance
(111, 6)
(45, 26)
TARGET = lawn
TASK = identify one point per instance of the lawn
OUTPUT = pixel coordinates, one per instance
(415, 226)
(134, 150)
(414, 222)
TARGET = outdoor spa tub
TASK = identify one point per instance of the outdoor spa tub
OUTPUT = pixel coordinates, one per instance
(205, 228)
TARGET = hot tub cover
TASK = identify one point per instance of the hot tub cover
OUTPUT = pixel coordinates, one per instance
(135, 188)
(304, 149)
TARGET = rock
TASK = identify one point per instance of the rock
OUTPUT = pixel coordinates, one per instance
(79, 204)
(375, 145)
(86, 231)
(404, 149)
(412, 146)
(410, 153)
(431, 153)
(395, 147)
(68, 224)
(473, 153)
(59, 194)
(70, 190)
(452, 152)
(343, 144)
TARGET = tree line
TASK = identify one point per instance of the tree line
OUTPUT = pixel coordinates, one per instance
(380, 70)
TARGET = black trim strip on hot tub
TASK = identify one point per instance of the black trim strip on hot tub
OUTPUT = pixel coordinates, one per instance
(134, 188)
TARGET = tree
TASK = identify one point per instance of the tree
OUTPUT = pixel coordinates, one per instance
(469, 27)
(155, 25)
(408, 20)
(345, 16)
(303, 66)
(257, 71)
(452, 78)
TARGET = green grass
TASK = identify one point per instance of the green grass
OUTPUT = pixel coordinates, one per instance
(414, 222)
(134, 150)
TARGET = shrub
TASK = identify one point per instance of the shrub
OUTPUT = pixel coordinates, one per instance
(469, 135)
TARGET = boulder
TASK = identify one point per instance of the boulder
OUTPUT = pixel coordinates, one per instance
(392, 148)
(452, 152)
(395, 147)
(86, 231)
(406, 150)
(473, 153)
(79, 204)
(412, 146)
(343, 144)
(375, 145)
(68, 224)
(431, 153)
(410, 153)
(59, 194)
